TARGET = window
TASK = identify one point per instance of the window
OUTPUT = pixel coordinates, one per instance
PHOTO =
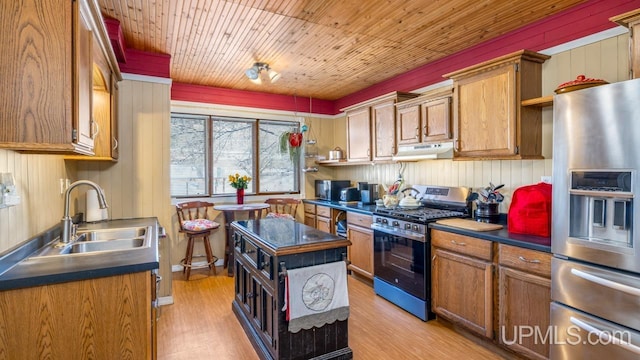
(205, 150)
(188, 151)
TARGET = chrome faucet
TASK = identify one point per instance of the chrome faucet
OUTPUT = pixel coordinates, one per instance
(67, 224)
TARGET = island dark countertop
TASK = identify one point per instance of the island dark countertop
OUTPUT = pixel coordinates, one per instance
(284, 236)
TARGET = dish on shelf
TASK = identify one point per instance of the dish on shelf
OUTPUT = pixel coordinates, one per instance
(581, 82)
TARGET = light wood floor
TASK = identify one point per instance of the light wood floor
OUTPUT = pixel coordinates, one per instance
(201, 325)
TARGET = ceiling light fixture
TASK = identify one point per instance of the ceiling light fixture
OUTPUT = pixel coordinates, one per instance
(253, 73)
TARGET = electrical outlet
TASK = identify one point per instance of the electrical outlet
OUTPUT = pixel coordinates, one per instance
(546, 179)
(62, 188)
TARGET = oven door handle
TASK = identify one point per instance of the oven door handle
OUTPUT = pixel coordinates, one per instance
(406, 234)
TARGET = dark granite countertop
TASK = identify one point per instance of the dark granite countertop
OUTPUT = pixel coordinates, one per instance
(363, 209)
(502, 236)
(283, 235)
(18, 271)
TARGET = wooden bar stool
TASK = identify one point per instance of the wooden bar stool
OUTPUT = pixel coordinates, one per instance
(194, 223)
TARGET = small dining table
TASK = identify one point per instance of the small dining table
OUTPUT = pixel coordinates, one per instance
(230, 211)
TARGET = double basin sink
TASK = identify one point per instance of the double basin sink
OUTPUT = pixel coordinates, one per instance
(99, 241)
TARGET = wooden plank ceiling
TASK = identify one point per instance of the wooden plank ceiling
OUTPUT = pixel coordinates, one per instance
(325, 49)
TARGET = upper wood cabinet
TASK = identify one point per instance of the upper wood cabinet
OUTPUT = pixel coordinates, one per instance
(371, 127)
(49, 68)
(425, 119)
(489, 120)
(104, 108)
(631, 20)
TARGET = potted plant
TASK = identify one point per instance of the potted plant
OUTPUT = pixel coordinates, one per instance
(290, 142)
(487, 203)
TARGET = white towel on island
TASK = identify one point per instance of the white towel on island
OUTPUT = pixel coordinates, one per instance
(316, 295)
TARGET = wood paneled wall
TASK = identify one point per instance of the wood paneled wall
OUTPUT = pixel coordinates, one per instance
(606, 59)
(41, 207)
(138, 184)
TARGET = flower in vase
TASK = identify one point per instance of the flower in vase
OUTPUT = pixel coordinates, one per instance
(239, 182)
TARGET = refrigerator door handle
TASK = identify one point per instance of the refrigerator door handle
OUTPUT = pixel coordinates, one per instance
(607, 283)
(605, 335)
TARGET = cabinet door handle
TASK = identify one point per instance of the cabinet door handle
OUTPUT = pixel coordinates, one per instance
(264, 264)
(457, 145)
(95, 127)
(250, 251)
(115, 143)
(533, 261)
(417, 132)
(424, 131)
(458, 243)
(249, 295)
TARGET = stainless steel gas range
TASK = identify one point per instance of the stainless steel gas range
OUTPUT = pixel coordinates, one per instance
(402, 249)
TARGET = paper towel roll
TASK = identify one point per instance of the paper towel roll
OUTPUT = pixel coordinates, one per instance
(94, 213)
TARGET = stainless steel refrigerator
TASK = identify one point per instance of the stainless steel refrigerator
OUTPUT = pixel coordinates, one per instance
(595, 285)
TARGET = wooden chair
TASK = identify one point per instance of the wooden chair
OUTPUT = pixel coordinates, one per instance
(282, 206)
(195, 224)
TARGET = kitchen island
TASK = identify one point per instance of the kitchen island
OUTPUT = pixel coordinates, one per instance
(264, 250)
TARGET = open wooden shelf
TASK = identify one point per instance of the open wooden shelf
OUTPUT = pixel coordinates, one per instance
(543, 101)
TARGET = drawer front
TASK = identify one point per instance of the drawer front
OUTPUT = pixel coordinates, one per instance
(250, 251)
(462, 244)
(359, 219)
(323, 211)
(266, 265)
(310, 208)
(527, 260)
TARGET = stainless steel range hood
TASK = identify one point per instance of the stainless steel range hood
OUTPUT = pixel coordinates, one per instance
(424, 152)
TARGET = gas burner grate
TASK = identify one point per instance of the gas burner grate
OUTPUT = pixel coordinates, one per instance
(420, 214)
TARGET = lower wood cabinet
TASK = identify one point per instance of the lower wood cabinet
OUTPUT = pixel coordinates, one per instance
(310, 215)
(324, 221)
(523, 300)
(462, 290)
(507, 306)
(104, 318)
(361, 249)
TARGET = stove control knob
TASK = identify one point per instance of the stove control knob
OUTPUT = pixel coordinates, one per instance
(378, 220)
(416, 228)
(384, 221)
(407, 226)
(395, 223)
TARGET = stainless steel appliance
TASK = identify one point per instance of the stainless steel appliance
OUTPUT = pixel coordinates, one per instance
(349, 194)
(369, 195)
(402, 250)
(330, 189)
(595, 285)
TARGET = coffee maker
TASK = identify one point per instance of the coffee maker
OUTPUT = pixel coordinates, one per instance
(368, 193)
